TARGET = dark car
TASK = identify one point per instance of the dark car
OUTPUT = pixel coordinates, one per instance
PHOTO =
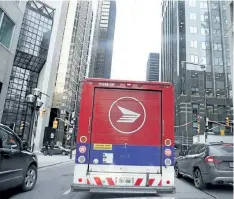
(18, 165)
(210, 163)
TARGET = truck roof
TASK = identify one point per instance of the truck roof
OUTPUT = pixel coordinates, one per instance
(128, 81)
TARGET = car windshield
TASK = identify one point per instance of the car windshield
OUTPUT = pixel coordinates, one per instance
(221, 150)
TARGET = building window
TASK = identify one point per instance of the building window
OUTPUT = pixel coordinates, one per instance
(193, 29)
(6, 29)
(203, 4)
(205, 45)
(216, 19)
(194, 59)
(192, 3)
(195, 91)
(217, 46)
(217, 32)
(204, 18)
(205, 31)
(210, 110)
(193, 16)
(195, 109)
(194, 75)
(218, 61)
(193, 44)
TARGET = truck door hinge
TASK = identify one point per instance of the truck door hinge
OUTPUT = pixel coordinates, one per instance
(163, 130)
(89, 129)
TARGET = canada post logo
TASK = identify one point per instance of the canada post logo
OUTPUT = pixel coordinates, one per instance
(127, 115)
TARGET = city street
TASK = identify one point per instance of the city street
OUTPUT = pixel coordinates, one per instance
(54, 183)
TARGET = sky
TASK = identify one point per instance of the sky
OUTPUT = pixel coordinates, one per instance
(137, 33)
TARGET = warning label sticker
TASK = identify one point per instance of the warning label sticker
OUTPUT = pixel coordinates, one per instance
(102, 146)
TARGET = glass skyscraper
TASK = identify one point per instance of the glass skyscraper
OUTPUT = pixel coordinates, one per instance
(29, 59)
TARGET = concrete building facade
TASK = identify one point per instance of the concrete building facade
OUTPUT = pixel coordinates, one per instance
(197, 32)
(47, 77)
(152, 71)
(72, 64)
(11, 16)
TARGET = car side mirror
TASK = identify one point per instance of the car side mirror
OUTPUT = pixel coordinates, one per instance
(25, 145)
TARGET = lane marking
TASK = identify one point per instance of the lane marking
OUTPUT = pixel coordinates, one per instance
(67, 192)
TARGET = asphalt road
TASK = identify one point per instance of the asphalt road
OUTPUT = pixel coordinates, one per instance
(54, 183)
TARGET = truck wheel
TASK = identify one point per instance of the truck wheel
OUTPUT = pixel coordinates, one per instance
(63, 153)
(198, 181)
(177, 172)
(30, 178)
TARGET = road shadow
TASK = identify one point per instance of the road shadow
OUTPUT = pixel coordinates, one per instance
(9, 193)
(210, 187)
(123, 196)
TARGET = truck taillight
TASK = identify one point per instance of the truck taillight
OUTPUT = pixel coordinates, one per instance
(83, 139)
(211, 159)
(168, 142)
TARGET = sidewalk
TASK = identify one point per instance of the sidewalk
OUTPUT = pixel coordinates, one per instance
(46, 161)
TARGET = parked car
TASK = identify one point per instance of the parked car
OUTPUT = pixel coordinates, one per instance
(210, 163)
(58, 150)
(18, 165)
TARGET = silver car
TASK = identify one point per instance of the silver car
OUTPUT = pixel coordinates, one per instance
(210, 163)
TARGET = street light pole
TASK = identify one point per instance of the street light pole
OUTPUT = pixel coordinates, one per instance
(205, 107)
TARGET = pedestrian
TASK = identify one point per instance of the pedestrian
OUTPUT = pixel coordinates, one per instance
(46, 148)
(51, 148)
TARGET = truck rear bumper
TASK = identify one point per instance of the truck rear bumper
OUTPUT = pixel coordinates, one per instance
(122, 189)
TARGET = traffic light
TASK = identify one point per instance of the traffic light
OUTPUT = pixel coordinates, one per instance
(21, 125)
(198, 125)
(55, 124)
(227, 121)
(222, 132)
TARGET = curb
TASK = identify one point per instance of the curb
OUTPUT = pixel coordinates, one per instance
(50, 165)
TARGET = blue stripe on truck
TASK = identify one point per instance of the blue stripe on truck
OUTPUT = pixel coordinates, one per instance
(130, 155)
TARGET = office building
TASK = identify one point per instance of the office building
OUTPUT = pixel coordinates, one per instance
(152, 71)
(231, 32)
(47, 77)
(197, 32)
(72, 65)
(11, 16)
(29, 59)
(101, 61)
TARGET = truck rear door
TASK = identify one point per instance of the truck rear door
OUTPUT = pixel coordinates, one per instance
(126, 131)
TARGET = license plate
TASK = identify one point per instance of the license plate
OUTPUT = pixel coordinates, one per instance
(125, 180)
(231, 164)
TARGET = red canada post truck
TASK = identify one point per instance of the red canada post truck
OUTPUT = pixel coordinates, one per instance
(125, 138)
